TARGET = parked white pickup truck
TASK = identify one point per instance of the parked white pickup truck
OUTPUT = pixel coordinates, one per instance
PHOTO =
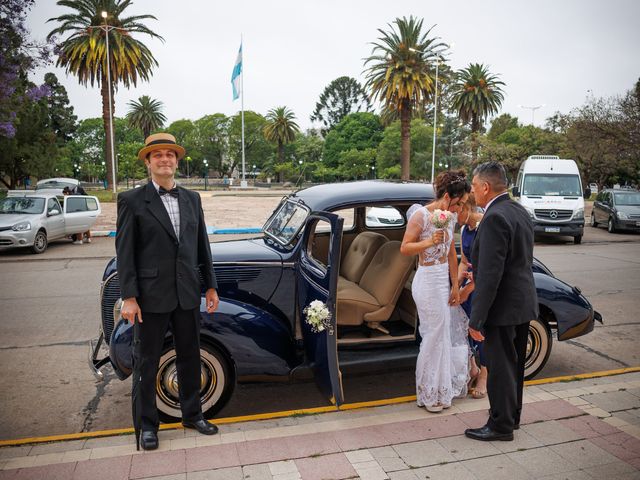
(31, 219)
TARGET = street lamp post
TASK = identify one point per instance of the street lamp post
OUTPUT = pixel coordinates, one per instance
(206, 172)
(107, 28)
(373, 171)
(533, 109)
(435, 115)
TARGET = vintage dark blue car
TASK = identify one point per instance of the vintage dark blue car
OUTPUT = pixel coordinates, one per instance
(337, 243)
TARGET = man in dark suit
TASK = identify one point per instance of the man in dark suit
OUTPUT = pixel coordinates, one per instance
(162, 246)
(504, 299)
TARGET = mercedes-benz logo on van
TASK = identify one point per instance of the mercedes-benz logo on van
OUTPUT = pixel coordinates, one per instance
(553, 214)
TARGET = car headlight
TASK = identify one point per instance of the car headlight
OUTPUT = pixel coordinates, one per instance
(622, 216)
(579, 215)
(529, 211)
(21, 227)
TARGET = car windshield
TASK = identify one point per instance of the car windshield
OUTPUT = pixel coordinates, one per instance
(631, 198)
(54, 184)
(285, 224)
(552, 185)
(22, 205)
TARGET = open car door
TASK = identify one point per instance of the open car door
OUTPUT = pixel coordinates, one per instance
(317, 279)
(80, 213)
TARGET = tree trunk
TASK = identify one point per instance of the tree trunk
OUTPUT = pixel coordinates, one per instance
(475, 128)
(405, 142)
(280, 161)
(107, 130)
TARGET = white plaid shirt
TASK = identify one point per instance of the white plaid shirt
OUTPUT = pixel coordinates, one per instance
(173, 208)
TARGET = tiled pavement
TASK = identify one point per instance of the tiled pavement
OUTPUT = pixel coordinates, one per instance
(587, 429)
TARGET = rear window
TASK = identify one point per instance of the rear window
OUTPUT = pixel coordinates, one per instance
(81, 204)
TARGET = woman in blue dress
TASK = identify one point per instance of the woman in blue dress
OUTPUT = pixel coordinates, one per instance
(468, 218)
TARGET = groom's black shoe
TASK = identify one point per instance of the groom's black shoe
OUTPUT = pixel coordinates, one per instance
(201, 426)
(149, 440)
(487, 435)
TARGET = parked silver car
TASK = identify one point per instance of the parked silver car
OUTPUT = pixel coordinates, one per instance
(33, 220)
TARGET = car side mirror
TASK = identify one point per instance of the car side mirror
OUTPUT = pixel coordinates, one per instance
(587, 193)
(53, 212)
(515, 191)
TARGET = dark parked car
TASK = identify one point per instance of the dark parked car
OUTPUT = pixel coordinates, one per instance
(319, 244)
(617, 209)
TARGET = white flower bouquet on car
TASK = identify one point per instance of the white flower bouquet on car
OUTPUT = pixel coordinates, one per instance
(318, 317)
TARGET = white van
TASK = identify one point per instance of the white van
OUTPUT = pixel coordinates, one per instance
(550, 189)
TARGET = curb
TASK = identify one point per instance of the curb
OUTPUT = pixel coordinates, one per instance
(288, 413)
(210, 231)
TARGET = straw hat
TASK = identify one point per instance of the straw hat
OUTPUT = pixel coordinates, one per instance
(158, 141)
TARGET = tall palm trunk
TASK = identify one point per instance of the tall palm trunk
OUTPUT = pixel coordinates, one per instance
(280, 161)
(475, 130)
(405, 142)
(107, 129)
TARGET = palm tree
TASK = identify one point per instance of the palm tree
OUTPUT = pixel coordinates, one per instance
(402, 74)
(476, 95)
(281, 129)
(146, 114)
(83, 52)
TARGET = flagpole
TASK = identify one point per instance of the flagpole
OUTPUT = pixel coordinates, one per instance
(243, 183)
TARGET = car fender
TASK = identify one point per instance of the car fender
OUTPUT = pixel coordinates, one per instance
(258, 344)
(572, 311)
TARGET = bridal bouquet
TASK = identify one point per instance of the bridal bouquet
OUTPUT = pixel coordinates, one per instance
(441, 218)
(318, 317)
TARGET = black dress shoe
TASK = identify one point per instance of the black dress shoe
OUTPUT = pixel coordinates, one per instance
(201, 426)
(487, 435)
(149, 440)
(516, 426)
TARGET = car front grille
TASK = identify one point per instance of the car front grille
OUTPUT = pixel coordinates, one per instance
(390, 221)
(553, 215)
(5, 241)
(235, 274)
(634, 216)
(110, 295)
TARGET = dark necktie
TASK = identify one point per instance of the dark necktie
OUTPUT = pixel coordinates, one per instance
(173, 192)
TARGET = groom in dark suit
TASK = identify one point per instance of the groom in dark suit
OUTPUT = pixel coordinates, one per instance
(504, 300)
(162, 246)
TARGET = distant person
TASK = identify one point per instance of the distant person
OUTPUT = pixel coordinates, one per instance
(162, 245)
(78, 190)
(76, 237)
(504, 298)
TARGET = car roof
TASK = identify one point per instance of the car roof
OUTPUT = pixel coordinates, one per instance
(621, 190)
(333, 195)
(73, 181)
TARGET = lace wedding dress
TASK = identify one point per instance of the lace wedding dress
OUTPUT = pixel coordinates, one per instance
(442, 370)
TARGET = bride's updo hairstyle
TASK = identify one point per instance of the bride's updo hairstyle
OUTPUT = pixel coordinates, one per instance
(453, 182)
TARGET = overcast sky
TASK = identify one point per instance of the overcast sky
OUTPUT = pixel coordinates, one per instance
(551, 52)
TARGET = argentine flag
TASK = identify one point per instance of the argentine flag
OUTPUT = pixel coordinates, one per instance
(235, 76)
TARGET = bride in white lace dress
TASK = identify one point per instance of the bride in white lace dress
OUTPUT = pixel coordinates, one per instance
(442, 365)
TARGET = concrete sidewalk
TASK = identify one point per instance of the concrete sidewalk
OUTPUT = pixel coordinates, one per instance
(587, 429)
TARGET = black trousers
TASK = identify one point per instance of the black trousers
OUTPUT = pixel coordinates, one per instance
(185, 326)
(505, 350)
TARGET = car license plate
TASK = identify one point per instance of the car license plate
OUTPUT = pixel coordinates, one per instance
(552, 229)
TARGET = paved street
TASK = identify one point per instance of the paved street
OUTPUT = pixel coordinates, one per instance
(50, 311)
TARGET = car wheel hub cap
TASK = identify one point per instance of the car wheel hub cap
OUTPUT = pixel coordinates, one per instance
(168, 387)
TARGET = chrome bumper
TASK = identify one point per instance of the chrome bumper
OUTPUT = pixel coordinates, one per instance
(94, 364)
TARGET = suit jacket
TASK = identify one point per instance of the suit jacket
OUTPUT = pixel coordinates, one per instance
(157, 267)
(502, 258)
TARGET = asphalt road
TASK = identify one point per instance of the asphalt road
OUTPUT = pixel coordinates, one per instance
(49, 311)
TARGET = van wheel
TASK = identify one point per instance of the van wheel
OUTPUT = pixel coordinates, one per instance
(40, 242)
(594, 224)
(611, 226)
(577, 239)
(216, 383)
(538, 348)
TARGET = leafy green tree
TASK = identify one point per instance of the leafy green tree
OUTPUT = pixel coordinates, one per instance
(389, 150)
(83, 52)
(61, 117)
(356, 131)
(185, 133)
(257, 148)
(342, 96)
(281, 129)
(209, 141)
(501, 124)
(477, 94)
(356, 164)
(401, 74)
(146, 115)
